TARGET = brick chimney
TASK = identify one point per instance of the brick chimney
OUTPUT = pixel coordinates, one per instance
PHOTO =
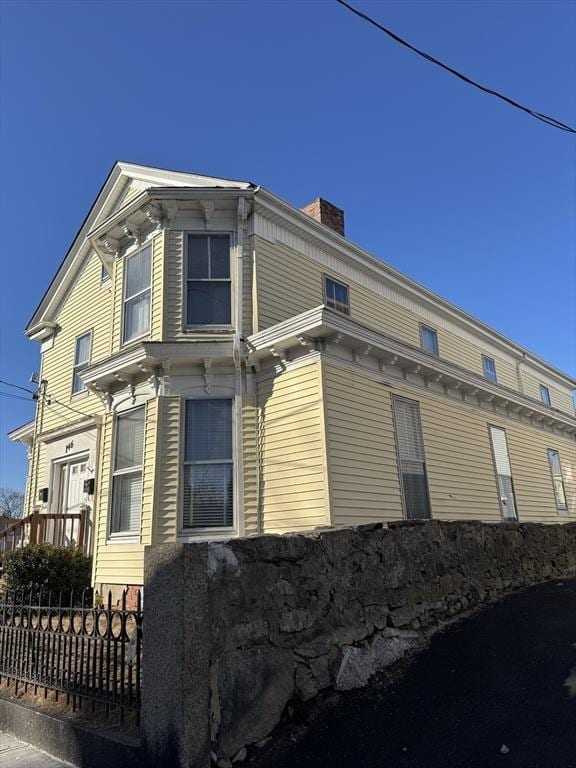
(327, 214)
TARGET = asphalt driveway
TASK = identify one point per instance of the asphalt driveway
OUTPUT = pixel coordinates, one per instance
(488, 692)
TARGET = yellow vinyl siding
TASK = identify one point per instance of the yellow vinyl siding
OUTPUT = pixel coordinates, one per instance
(459, 462)
(289, 283)
(123, 562)
(168, 468)
(532, 477)
(157, 288)
(362, 461)
(173, 284)
(362, 465)
(293, 493)
(561, 399)
(86, 308)
(250, 464)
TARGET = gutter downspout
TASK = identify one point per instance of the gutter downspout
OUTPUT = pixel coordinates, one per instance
(238, 352)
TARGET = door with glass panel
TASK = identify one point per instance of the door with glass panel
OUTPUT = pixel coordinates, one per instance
(412, 462)
(503, 474)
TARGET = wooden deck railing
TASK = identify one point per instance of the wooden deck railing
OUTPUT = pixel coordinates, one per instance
(61, 529)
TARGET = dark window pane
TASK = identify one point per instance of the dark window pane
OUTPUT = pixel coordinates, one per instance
(219, 257)
(208, 435)
(415, 490)
(208, 303)
(198, 256)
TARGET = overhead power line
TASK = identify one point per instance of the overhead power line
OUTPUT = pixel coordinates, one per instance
(538, 115)
(16, 397)
(17, 386)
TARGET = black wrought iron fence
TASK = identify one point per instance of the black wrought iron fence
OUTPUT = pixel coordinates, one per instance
(86, 655)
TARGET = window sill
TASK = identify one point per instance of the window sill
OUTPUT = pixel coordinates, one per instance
(79, 395)
(208, 328)
(123, 538)
(206, 534)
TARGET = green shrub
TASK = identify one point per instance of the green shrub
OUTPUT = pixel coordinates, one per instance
(44, 568)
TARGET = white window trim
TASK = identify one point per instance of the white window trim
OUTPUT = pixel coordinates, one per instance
(86, 363)
(422, 347)
(495, 379)
(220, 532)
(128, 255)
(549, 403)
(346, 308)
(189, 327)
(491, 426)
(119, 537)
(561, 510)
(399, 458)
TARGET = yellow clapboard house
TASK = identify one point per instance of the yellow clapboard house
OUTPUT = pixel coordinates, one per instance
(218, 363)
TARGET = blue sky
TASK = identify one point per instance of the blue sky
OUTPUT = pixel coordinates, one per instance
(461, 192)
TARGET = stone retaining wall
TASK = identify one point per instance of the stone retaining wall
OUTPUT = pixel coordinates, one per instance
(271, 619)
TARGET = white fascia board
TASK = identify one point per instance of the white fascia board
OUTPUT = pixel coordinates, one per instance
(323, 323)
(164, 177)
(285, 213)
(23, 434)
(105, 199)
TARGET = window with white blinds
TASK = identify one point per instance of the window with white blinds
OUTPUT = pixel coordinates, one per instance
(557, 480)
(503, 473)
(410, 445)
(208, 464)
(127, 475)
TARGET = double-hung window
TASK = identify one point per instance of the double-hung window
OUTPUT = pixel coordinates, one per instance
(208, 282)
(557, 480)
(137, 281)
(208, 464)
(544, 394)
(81, 360)
(429, 340)
(410, 446)
(336, 295)
(503, 474)
(127, 473)
(489, 367)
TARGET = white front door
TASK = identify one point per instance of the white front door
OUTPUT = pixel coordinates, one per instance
(75, 497)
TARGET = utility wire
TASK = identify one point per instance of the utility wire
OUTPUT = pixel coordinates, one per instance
(17, 386)
(538, 115)
(16, 397)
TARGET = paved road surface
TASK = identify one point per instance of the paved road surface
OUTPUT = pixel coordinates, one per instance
(492, 680)
(17, 754)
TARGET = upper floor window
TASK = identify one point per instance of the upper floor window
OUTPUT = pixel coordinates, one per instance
(208, 464)
(104, 274)
(81, 360)
(489, 368)
(429, 340)
(137, 279)
(127, 472)
(544, 394)
(557, 480)
(208, 283)
(336, 295)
